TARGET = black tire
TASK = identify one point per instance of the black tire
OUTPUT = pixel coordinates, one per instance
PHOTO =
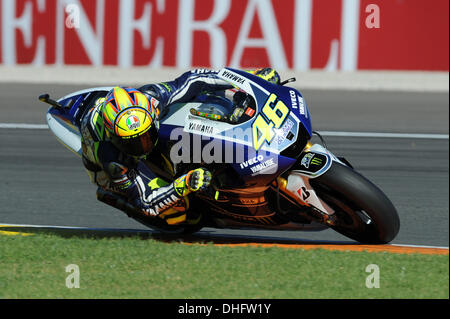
(363, 212)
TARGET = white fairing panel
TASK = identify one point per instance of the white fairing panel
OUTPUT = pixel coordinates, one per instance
(68, 135)
(66, 132)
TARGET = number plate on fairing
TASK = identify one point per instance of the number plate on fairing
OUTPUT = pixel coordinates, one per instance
(276, 124)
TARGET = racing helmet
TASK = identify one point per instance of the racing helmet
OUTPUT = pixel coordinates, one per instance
(267, 74)
(130, 121)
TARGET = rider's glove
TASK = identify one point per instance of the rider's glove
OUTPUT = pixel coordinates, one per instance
(118, 174)
(195, 180)
(267, 74)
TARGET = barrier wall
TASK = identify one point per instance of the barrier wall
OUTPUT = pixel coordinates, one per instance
(286, 34)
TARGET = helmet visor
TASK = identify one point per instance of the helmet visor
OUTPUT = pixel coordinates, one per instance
(137, 145)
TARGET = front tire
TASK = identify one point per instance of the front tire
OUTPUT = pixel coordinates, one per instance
(362, 210)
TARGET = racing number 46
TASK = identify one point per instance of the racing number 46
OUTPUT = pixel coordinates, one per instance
(273, 114)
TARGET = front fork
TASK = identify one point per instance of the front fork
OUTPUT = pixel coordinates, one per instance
(314, 161)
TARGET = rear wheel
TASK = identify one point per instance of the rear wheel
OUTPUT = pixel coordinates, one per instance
(362, 210)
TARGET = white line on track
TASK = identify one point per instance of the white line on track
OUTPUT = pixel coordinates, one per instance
(24, 126)
(385, 135)
(323, 133)
(75, 228)
(150, 231)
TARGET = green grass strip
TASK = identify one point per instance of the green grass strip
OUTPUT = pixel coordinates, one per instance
(135, 267)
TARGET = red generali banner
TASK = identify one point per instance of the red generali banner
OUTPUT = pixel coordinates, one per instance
(286, 34)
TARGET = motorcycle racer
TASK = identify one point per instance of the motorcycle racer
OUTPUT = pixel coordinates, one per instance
(122, 128)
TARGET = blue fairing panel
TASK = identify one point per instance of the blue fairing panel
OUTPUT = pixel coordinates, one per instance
(291, 97)
(255, 168)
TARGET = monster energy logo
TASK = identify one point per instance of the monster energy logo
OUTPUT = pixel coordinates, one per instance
(309, 159)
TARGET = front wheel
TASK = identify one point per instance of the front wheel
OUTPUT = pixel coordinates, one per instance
(362, 210)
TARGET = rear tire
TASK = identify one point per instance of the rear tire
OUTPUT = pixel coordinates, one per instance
(363, 211)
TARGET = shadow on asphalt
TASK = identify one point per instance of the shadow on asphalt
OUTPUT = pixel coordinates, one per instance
(202, 237)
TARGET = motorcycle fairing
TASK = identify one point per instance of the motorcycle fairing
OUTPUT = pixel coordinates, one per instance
(65, 132)
(254, 168)
(260, 88)
(265, 161)
(244, 133)
(65, 123)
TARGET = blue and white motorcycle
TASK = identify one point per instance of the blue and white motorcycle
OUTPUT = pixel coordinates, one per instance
(266, 172)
